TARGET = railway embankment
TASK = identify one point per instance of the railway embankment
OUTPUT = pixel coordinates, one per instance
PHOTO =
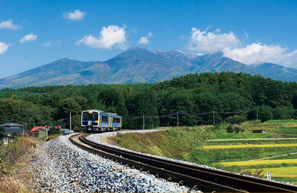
(59, 166)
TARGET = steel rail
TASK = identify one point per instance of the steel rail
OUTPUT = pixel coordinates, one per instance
(209, 179)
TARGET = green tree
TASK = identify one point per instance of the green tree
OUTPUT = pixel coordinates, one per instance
(68, 105)
(2, 133)
(265, 113)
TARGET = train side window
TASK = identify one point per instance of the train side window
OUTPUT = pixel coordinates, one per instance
(116, 120)
(104, 119)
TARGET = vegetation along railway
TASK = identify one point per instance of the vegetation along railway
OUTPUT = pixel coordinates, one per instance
(193, 176)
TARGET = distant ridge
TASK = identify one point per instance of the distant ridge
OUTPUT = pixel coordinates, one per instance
(138, 65)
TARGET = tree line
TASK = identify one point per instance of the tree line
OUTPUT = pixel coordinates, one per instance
(192, 93)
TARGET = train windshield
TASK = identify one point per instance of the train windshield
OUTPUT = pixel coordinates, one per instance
(85, 116)
(95, 116)
(90, 116)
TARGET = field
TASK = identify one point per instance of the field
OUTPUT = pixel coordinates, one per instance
(274, 151)
(245, 152)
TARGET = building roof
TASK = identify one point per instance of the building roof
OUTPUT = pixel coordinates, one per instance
(43, 127)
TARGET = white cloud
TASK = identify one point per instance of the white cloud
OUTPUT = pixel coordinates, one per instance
(259, 53)
(9, 25)
(47, 44)
(3, 47)
(144, 40)
(29, 37)
(110, 36)
(76, 15)
(209, 42)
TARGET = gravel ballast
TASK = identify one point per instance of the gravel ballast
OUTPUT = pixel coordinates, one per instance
(60, 166)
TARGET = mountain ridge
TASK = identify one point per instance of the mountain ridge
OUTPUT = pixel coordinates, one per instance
(138, 65)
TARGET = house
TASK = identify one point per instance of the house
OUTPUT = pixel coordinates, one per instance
(42, 130)
(11, 127)
(36, 128)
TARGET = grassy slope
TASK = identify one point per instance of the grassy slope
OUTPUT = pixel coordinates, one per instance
(187, 144)
(174, 142)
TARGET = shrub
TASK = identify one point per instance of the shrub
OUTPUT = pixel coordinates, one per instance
(15, 134)
(230, 129)
(234, 128)
(236, 119)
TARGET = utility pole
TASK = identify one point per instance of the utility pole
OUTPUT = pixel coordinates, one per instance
(46, 133)
(177, 119)
(143, 121)
(213, 118)
(70, 121)
(257, 114)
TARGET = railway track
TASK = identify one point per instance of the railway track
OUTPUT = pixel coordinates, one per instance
(198, 177)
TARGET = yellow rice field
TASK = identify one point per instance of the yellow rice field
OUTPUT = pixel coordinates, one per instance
(283, 172)
(260, 162)
(247, 146)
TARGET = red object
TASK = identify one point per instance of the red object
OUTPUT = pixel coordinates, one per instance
(34, 129)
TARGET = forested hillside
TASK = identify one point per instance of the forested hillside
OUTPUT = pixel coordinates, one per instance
(193, 96)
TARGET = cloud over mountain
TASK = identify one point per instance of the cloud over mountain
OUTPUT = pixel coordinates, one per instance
(232, 47)
(144, 40)
(259, 53)
(208, 42)
(110, 36)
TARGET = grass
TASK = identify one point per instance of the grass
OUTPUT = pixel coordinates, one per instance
(285, 156)
(288, 130)
(252, 141)
(10, 161)
(261, 162)
(281, 172)
(174, 142)
(248, 146)
(230, 151)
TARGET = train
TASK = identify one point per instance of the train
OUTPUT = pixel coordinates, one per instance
(99, 121)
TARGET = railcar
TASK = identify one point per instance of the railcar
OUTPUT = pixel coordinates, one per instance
(100, 121)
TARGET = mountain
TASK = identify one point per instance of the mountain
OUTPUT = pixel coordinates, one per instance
(60, 72)
(277, 72)
(138, 65)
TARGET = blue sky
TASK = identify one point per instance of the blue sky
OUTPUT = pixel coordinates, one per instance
(38, 32)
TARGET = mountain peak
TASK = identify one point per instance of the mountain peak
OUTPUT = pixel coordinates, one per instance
(135, 49)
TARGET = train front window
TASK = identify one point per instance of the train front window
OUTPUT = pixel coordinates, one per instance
(85, 116)
(89, 116)
(95, 116)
